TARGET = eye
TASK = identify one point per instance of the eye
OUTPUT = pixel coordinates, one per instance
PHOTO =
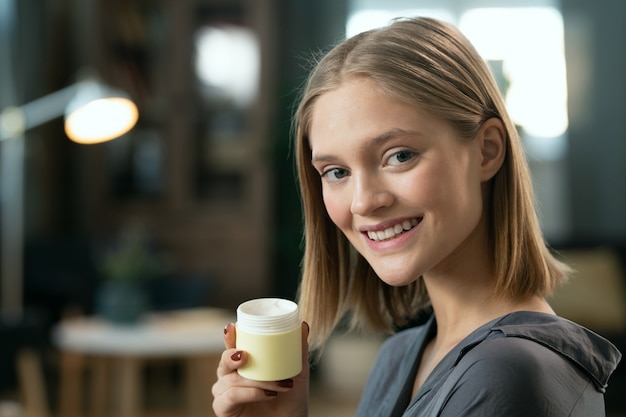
(401, 157)
(335, 174)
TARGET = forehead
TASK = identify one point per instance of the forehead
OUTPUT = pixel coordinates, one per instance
(359, 109)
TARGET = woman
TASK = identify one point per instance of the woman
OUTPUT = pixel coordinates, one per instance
(417, 198)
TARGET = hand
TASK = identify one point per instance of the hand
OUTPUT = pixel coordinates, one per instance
(235, 396)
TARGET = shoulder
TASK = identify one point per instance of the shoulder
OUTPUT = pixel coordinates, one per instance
(580, 346)
(517, 361)
(539, 350)
(521, 377)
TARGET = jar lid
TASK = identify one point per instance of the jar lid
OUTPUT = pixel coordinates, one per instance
(268, 315)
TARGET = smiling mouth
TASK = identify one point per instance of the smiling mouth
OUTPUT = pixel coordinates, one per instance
(393, 231)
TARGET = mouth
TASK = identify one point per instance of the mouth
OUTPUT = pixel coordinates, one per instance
(393, 231)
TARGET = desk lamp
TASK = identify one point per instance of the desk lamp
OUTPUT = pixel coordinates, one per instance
(94, 113)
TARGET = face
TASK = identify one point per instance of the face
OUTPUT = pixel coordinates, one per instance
(398, 182)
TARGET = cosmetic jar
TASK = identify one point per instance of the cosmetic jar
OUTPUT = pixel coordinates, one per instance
(269, 330)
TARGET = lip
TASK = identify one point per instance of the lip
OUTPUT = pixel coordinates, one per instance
(393, 243)
(389, 223)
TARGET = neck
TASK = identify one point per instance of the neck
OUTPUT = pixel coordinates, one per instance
(462, 290)
(460, 308)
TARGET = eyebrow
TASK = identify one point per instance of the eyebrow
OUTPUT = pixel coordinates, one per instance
(375, 141)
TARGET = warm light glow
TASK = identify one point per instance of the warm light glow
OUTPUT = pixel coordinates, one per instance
(533, 60)
(363, 20)
(101, 120)
(228, 60)
(528, 41)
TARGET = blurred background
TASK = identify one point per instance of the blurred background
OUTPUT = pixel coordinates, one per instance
(196, 208)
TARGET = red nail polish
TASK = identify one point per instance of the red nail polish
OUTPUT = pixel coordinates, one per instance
(226, 329)
(236, 356)
(270, 393)
(286, 383)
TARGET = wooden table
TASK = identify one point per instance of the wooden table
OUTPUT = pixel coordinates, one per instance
(115, 355)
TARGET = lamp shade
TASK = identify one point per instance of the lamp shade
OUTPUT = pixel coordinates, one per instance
(98, 113)
(94, 112)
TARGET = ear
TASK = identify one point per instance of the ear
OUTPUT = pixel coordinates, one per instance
(492, 138)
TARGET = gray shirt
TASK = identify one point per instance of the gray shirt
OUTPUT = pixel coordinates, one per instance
(522, 364)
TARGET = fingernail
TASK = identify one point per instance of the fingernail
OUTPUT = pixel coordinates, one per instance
(285, 383)
(236, 356)
(226, 329)
(270, 393)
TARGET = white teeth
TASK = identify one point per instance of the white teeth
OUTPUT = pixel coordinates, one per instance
(392, 231)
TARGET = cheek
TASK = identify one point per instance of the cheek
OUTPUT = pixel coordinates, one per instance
(467, 201)
(424, 189)
(338, 210)
(444, 189)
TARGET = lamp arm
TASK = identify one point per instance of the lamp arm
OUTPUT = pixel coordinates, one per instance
(14, 121)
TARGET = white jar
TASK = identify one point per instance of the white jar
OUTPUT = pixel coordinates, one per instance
(269, 330)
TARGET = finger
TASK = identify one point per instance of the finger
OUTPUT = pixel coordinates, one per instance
(234, 380)
(231, 360)
(229, 400)
(305, 336)
(305, 345)
(230, 336)
(233, 390)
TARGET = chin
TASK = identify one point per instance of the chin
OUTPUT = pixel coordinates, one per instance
(397, 279)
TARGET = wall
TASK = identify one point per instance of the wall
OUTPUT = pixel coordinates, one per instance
(596, 64)
(306, 27)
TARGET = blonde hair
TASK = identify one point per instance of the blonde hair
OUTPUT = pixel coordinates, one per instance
(432, 65)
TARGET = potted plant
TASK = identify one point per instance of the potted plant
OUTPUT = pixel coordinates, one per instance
(125, 267)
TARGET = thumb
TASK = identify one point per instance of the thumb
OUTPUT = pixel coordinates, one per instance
(305, 346)
(230, 336)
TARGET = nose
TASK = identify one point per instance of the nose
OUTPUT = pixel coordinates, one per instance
(369, 195)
